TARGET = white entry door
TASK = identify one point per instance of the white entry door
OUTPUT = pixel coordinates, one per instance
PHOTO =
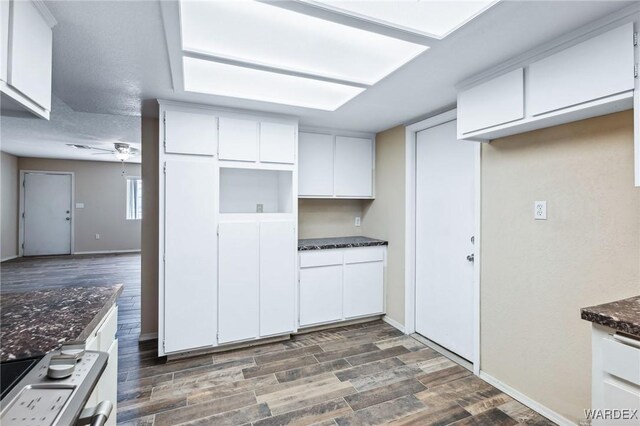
(47, 214)
(444, 230)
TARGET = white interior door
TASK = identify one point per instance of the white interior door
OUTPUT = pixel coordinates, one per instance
(444, 228)
(47, 214)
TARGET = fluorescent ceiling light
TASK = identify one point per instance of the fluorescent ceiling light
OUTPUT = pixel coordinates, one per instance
(240, 82)
(431, 18)
(267, 35)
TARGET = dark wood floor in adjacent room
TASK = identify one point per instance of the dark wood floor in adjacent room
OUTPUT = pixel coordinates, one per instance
(366, 374)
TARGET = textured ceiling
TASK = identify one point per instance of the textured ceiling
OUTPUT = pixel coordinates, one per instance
(27, 136)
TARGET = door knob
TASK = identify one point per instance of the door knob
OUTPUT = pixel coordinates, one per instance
(470, 258)
(67, 218)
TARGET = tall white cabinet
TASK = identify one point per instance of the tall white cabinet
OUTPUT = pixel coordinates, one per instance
(227, 231)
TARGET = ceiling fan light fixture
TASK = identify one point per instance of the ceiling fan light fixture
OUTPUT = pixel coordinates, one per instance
(122, 155)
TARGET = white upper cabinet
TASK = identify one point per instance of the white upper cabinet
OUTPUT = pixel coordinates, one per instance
(26, 49)
(599, 67)
(593, 77)
(495, 102)
(238, 139)
(190, 132)
(335, 166)
(353, 167)
(315, 165)
(277, 143)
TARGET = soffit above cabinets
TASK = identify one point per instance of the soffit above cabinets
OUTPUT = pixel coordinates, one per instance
(294, 53)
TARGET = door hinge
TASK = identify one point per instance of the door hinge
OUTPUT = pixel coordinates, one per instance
(22, 246)
(164, 346)
(164, 133)
(217, 337)
(218, 230)
(23, 215)
(635, 38)
(635, 70)
(164, 168)
(24, 185)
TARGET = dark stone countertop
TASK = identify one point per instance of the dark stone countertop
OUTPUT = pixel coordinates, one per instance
(338, 242)
(35, 322)
(622, 315)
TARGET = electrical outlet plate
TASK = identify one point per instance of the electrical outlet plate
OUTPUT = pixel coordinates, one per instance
(540, 210)
(357, 223)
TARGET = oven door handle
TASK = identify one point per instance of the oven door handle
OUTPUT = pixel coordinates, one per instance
(96, 416)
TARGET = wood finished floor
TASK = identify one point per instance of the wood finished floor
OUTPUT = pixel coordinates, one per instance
(365, 374)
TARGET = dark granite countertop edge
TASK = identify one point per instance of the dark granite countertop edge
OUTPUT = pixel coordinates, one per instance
(628, 327)
(84, 335)
(307, 244)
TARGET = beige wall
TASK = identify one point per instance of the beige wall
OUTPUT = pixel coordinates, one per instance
(149, 299)
(384, 217)
(328, 218)
(103, 190)
(9, 206)
(536, 275)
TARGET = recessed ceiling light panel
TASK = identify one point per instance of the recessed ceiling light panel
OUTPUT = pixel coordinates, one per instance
(240, 82)
(259, 33)
(430, 18)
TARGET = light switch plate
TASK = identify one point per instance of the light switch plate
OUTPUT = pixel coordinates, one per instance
(540, 210)
(79, 205)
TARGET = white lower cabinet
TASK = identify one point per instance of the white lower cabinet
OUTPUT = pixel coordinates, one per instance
(320, 294)
(256, 283)
(341, 284)
(189, 248)
(363, 289)
(103, 338)
(615, 375)
(277, 277)
(238, 281)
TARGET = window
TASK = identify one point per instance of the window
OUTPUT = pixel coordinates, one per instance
(134, 198)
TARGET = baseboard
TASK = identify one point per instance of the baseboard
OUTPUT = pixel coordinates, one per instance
(393, 323)
(147, 336)
(9, 258)
(107, 251)
(519, 396)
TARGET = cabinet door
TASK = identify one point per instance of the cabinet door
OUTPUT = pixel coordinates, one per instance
(4, 39)
(599, 67)
(320, 295)
(238, 287)
(277, 277)
(190, 248)
(354, 167)
(238, 139)
(498, 101)
(363, 289)
(277, 143)
(31, 50)
(190, 133)
(108, 384)
(315, 165)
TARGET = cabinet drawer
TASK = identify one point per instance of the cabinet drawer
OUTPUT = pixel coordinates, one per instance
(621, 360)
(320, 258)
(107, 331)
(364, 254)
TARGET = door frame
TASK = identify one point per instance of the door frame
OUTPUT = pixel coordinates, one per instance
(21, 207)
(410, 229)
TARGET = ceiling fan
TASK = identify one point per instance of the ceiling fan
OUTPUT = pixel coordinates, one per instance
(121, 150)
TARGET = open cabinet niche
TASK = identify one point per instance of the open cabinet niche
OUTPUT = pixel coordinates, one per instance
(255, 191)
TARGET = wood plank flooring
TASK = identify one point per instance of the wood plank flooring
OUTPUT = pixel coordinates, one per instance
(366, 374)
